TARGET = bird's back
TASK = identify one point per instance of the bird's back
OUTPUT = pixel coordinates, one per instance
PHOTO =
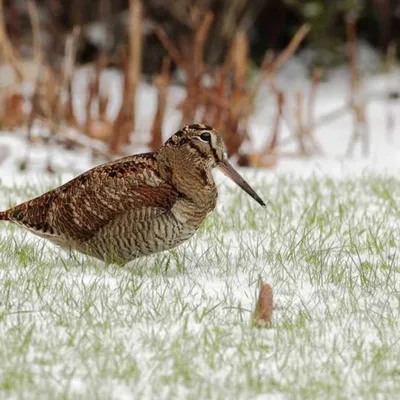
(77, 211)
(116, 212)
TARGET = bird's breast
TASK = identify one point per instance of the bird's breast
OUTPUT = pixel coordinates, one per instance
(192, 213)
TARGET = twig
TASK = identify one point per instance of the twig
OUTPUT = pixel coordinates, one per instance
(162, 82)
(360, 130)
(66, 83)
(35, 107)
(77, 137)
(7, 49)
(315, 80)
(270, 67)
(239, 56)
(300, 131)
(316, 77)
(280, 101)
(123, 123)
(34, 17)
(70, 54)
(135, 56)
(290, 48)
(333, 115)
(168, 45)
(391, 55)
(199, 41)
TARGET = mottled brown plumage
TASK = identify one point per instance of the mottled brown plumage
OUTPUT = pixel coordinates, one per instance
(135, 206)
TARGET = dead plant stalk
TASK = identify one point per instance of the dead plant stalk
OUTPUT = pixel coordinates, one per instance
(360, 127)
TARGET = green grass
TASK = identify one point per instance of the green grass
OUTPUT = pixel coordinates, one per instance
(179, 324)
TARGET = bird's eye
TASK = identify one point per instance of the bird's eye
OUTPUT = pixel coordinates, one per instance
(206, 137)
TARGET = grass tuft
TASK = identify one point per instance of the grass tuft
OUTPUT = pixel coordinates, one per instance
(178, 324)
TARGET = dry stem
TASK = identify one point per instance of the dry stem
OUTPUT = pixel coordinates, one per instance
(34, 17)
(162, 82)
(135, 55)
(360, 129)
(7, 51)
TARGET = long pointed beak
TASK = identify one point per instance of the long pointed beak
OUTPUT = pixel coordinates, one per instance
(231, 173)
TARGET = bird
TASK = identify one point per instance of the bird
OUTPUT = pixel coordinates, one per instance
(137, 205)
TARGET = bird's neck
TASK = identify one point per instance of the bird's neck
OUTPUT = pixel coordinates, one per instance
(189, 174)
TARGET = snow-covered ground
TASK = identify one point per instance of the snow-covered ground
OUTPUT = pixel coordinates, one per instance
(177, 325)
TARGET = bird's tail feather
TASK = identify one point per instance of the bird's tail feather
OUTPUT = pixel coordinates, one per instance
(4, 215)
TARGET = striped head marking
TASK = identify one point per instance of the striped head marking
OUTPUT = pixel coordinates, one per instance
(202, 139)
(206, 142)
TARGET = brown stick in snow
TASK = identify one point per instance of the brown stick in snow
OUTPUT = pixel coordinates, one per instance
(263, 314)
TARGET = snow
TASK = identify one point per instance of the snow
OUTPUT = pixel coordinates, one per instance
(308, 298)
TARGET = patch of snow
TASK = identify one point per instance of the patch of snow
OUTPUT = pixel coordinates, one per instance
(296, 297)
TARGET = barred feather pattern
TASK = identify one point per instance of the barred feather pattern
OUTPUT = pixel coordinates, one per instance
(119, 211)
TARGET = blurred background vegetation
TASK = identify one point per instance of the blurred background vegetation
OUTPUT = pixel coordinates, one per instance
(215, 45)
(269, 24)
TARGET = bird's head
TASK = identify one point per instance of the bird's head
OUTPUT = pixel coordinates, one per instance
(205, 144)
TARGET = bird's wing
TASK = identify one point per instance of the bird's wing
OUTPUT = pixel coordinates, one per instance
(80, 208)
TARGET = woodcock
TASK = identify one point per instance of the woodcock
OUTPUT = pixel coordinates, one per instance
(137, 205)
